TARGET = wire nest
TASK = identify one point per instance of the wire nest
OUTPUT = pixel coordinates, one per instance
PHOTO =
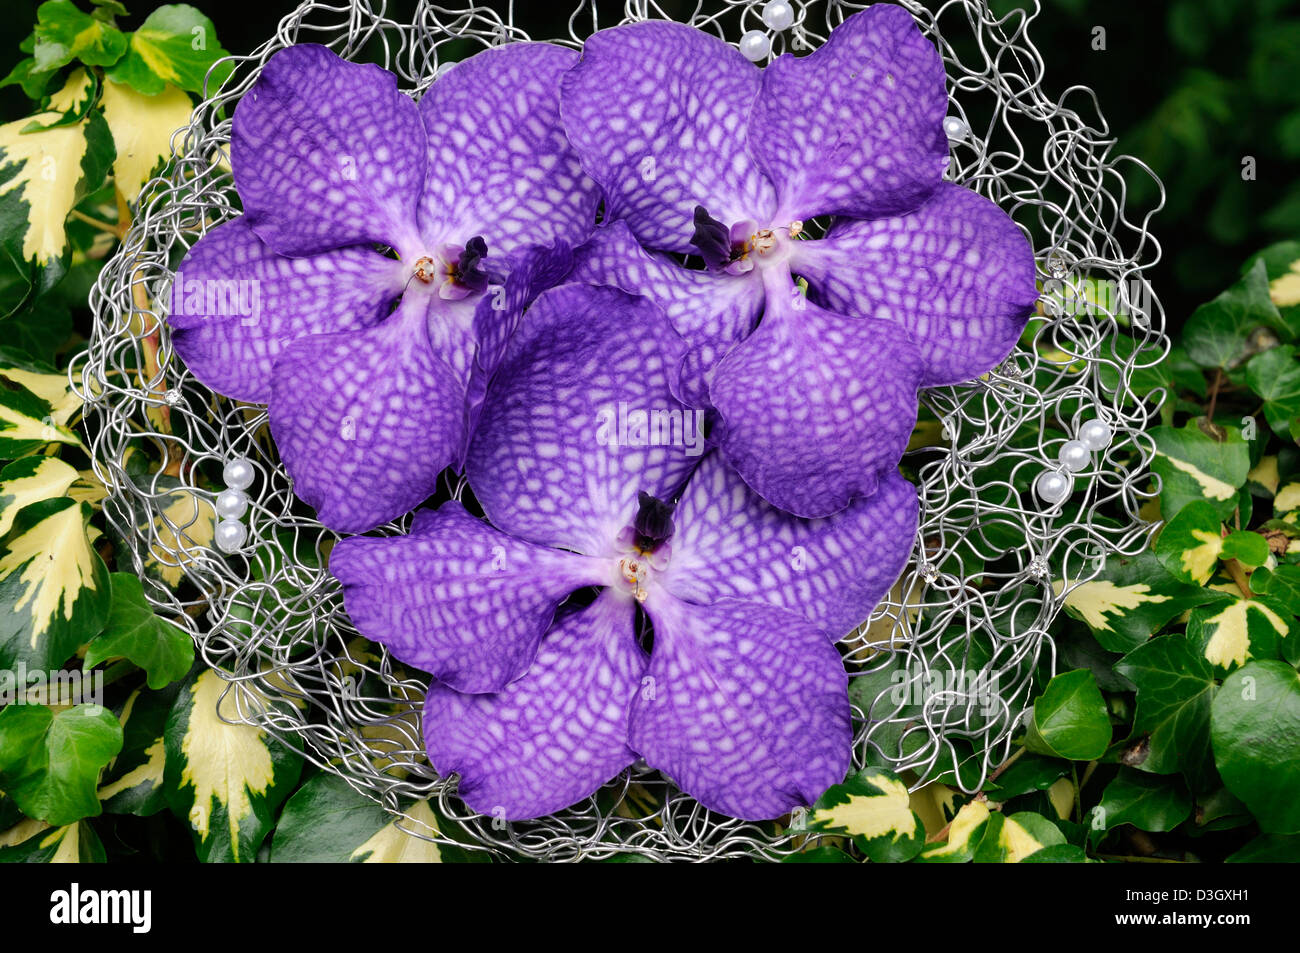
(943, 669)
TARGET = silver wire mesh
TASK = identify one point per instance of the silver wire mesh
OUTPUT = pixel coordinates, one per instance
(271, 618)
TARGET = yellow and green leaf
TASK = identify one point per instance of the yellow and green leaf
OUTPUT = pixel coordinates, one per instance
(1011, 839)
(35, 842)
(1229, 635)
(45, 172)
(142, 128)
(133, 782)
(226, 779)
(176, 44)
(31, 480)
(874, 808)
(27, 422)
(964, 836)
(1194, 465)
(54, 588)
(1132, 598)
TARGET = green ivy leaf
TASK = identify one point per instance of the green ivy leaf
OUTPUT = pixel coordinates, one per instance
(1247, 547)
(1057, 854)
(1029, 773)
(49, 762)
(873, 808)
(54, 588)
(1255, 731)
(64, 33)
(1069, 719)
(1192, 465)
(1269, 849)
(176, 44)
(226, 780)
(1131, 599)
(1275, 376)
(134, 632)
(1218, 332)
(326, 821)
(1175, 686)
(1147, 801)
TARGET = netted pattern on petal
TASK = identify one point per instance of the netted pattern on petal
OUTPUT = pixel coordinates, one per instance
(273, 616)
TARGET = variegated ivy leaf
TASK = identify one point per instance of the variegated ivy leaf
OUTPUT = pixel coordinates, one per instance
(44, 173)
(1282, 267)
(133, 782)
(326, 821)
(35, 842)
(964, 836)
(175, 44)
(31, 480)
(1265, 474)
(872, 807)
(1011, 839)
(1231, 634)
(1175, 686)
(53, 387)
(133, 631)
(54, 588)
(142, 128)
(27, 422)
(1131, 599)
(1193, 465)
(49, 762)
(64, 33)
(1191, 543)
(226, 779)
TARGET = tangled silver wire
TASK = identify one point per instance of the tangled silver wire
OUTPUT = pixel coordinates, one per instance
(270, 618)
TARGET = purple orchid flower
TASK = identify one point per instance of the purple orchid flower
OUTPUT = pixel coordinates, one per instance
(372, 365)
(539, 699)
(917, 282)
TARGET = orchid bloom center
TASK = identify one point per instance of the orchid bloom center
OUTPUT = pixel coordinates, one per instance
(457, 270)
(738, 249)
(645, 544)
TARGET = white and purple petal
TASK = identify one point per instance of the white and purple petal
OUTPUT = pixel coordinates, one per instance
(957, 274)
(657, 113)
(554, 736)
(814, 408)
(328, 153)
(456, 598)
(236, 304)
(856, 127)
(744, 706)
(710, 310)
(551, 459)
(365, 422)
(833, 571)
(499, 164)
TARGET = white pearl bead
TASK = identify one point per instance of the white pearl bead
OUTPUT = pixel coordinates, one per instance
(954, 127)
(778, 15)
(231, 504)
(1053, 486)
(230, 535)
(1096, 434)
(238, 474)
(755, 45)
(1074, 455)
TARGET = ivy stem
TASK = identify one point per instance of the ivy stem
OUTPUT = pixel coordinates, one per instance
(1214, 394)
(96, 223)
(1235, 572)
